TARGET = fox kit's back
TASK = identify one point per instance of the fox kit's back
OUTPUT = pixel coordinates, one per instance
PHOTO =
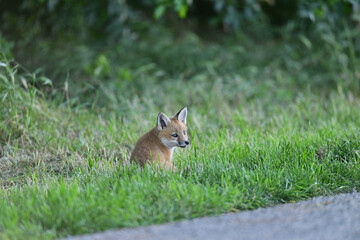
(157, 145)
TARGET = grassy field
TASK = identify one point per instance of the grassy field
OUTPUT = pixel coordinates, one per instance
(269, 122)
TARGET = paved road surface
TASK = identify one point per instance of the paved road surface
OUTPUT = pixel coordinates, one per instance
(336, 217)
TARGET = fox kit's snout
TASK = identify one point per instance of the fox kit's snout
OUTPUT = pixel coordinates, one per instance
(159, 143)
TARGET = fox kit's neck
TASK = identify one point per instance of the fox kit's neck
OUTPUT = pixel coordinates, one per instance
(163, 143)
(171, 153)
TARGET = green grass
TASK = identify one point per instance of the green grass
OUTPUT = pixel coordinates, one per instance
(262, 132)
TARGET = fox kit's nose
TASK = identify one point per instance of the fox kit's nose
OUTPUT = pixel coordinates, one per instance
(184, 144)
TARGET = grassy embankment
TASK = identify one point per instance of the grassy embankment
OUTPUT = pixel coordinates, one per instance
(269, 123)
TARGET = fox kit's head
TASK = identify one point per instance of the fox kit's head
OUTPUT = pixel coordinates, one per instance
(172, 131)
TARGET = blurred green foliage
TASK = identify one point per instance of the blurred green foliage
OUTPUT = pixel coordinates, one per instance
(80, 19)
(96, 18)
(123, 46)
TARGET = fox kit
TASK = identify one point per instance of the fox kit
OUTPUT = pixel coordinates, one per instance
(157, 145)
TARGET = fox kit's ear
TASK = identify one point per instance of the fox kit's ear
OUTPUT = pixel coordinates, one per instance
(162, 121)
(182, 114)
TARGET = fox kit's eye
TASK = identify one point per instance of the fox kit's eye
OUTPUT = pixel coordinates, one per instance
(175, 135)
(184, 132)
